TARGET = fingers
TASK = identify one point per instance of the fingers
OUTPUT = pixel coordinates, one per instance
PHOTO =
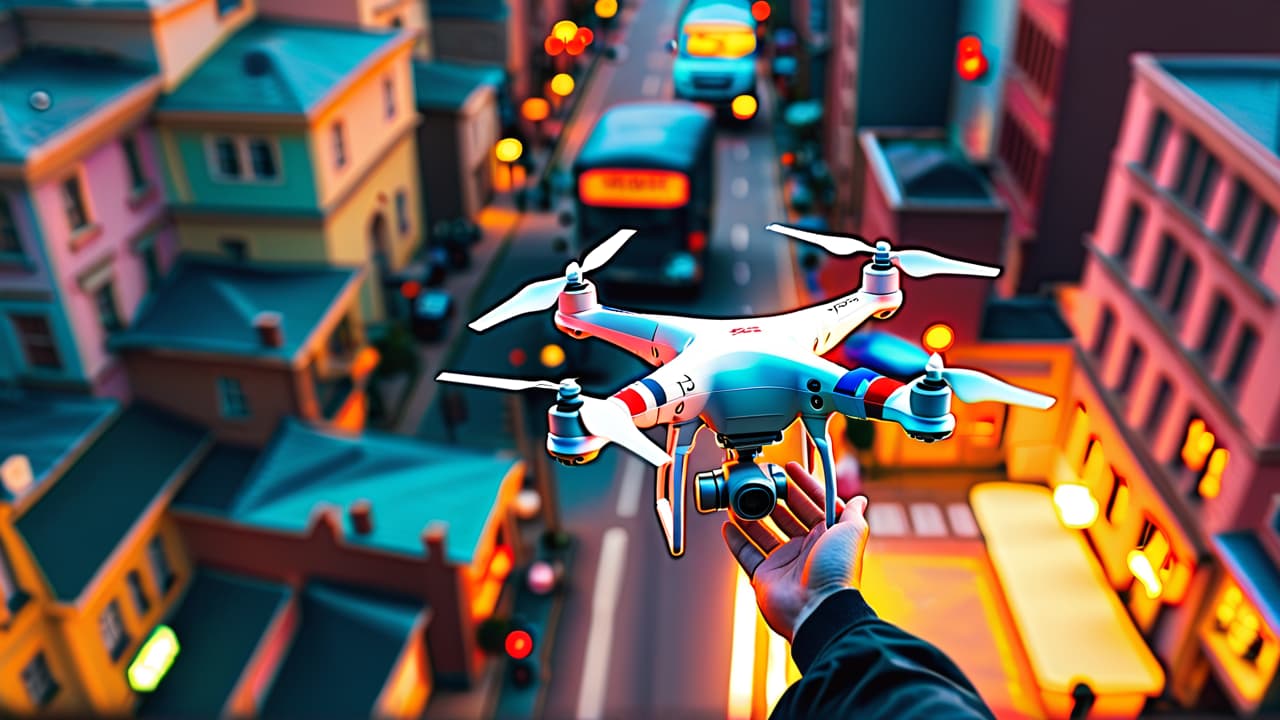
(759, 533)
(806, 497)
(787, 522)
(747, 555)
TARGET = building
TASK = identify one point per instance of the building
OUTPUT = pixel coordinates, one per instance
(380, 512)
(459, 130)
(1175, 422)
(489, 32)
(255, 647)
(408, 14)
(91, 563)
(1064, 98)
(238, 348)
(295, 143)
(83, 234)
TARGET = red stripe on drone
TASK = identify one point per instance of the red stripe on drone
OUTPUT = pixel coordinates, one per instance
(634, 402)
(877, 393)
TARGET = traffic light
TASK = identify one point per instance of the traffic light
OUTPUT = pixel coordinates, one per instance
(524, 672)
(971, 63)
(519, 646)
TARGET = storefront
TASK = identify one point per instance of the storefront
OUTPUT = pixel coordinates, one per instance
(1239, 629)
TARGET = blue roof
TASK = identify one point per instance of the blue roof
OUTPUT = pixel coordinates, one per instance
(208, 306)
(78, 86)
(1250, 566)
(442, 85)
(663, 135)
(273, 68)
(1024, 318)
(49, 428)
(216, 483)
(933, 170)
(409, 484)
(219, 626)
(343, 654)
(1244, 89)
(470, 9)
(81, 519)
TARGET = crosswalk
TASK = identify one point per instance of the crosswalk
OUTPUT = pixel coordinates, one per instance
(921, 519)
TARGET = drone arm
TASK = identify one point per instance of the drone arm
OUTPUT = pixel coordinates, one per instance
(865, 395)
(667, 395)
(655, 339)
(828, 324)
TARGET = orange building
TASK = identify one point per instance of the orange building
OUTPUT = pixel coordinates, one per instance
(1176, 418)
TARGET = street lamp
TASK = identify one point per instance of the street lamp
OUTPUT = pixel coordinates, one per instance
(535, 110)
(562, 84)
(564, 31)
(508, 151)
(606, 9)
(939, 338)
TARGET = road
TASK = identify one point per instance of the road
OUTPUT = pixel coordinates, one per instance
(643, 634)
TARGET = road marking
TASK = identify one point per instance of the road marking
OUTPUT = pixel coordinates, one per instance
(927, 520)
(657, 60)
(887, 519)
(632, 472)
(962, 522)
(604, 604)
(741, 152)
(740, 237)
(651, 85)
(743, 651)
(741, 272)
(740, 187)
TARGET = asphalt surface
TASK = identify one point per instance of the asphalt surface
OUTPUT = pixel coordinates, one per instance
(642, 634)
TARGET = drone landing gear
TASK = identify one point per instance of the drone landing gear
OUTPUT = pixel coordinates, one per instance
(670, 491)
(816, 427)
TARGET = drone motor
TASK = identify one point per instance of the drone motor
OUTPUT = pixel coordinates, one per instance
(568, 440)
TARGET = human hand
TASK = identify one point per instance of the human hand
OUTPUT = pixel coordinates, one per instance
(793, 574)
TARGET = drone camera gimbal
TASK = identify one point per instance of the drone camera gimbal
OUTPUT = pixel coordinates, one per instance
(747, 489)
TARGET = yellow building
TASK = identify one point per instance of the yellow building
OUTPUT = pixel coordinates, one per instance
(90, 563)
(296, 143)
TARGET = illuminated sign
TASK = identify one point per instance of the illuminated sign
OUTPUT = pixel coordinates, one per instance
(153, 660)
(655, 189)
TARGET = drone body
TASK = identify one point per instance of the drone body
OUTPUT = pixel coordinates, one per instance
(745, 379)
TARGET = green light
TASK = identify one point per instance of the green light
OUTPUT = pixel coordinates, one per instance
(153, 660)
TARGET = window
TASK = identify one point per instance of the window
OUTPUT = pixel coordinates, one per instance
(1159, 406)
(105, 298)
(226, 7)
(111, 630)
(389, 97)
(1240, 196)
(339, 145)
(37, 680)
(1156, 138)
(1260, 239)
(402, 211)
(1186, 278)
(1160, 274)
(37, 341)
(1239, 621)
(1218, 319)
(73, 203)
(1154, 544)
(1204, 184)
(236, 248)
(1133, 225)
(137, 593)
(133, 159)
(263, 158)
(161, 572)
(228, 157)
(9, 243)
(1196, 175)
(1204, 456)
(1132, 363)
(1118, 500)
(1242, 356)
(1037, 57)
(231, 396)
(1021, 157)
(1106, 324)
(8, 583)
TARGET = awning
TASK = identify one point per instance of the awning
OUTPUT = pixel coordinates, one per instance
(1073, 625)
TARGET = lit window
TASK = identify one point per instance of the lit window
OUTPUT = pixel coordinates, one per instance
(1152, 561)
(1202, 454)
(1118, 500)
(1211, 482)
(111, 630)
(38, 681)
(1240, 624)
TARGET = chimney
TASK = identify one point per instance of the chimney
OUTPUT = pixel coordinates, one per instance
(16, 474)
(362, 516)
(270, 327)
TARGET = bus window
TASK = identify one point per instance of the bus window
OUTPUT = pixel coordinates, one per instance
(719, 41)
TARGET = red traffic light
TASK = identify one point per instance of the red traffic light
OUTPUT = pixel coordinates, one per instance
(971, 63)
(553, 45)
(519, 644)
(585, 35)
(760, 10)
(575, 46)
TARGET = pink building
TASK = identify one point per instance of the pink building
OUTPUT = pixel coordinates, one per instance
(1176, 409)
(82, 215)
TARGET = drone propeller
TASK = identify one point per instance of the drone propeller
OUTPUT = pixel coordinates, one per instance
(971, 386)
(542, 294)
(916, 263)
(601, 417)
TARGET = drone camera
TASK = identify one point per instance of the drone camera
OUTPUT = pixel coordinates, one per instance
(747, 490)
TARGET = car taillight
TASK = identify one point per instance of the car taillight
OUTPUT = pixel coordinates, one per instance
(697, 241)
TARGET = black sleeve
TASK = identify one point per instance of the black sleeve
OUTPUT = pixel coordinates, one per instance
(856, 665)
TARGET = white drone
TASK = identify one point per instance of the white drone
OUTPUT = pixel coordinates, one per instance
(746, 379)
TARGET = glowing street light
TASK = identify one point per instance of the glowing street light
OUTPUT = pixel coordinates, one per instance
(939, 338)
(552, 356)
(564, 31)
(535, 109)
(562, 84)
(508, 150)
(744, 107)
(606, 9)
(1077, 508)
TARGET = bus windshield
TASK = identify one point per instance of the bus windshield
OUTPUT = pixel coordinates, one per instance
(719, 41)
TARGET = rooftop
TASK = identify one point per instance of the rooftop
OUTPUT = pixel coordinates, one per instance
(1244, 89)
(1029, 318)
(274, 68)
(664, 135)
(48, 428)
(931, 171)
(1253, 570)
(470, 9)
(83, 517)
(78, 85)
(221, 475)
(440, 85)
(228, 296)
(219, 625)
(346, 647)
(91, 4)
(409, 484)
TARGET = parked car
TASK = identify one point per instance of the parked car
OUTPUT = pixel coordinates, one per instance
(430, 315)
